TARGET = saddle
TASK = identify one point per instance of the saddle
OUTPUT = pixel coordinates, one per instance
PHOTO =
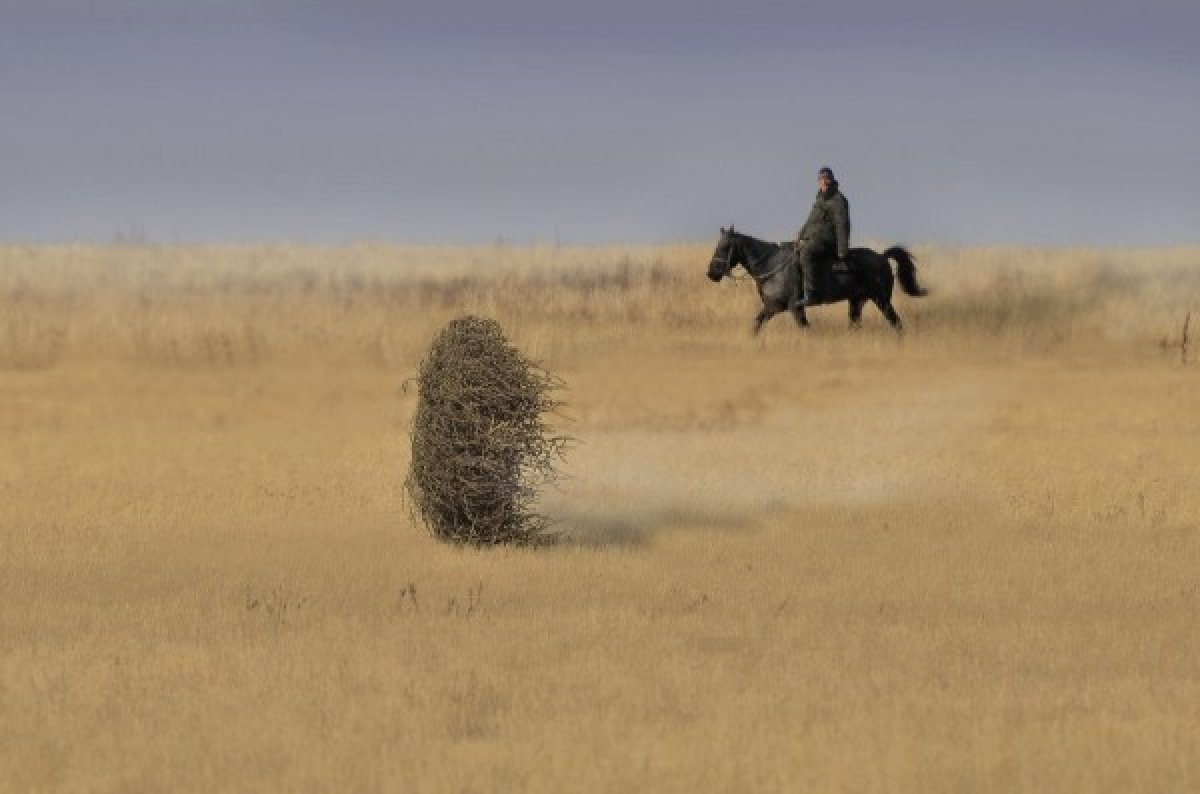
(836, 268)
(833, 278)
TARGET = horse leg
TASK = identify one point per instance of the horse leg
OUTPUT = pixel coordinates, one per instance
(890, 314)
(856, 307)
(883, 297)
(762, 317)
(799, 316)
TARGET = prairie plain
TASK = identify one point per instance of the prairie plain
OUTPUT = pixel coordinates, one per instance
(823, 560)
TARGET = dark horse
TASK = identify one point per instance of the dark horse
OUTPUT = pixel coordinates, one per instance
(868, 277)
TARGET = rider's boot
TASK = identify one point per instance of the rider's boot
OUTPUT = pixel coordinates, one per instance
(811, 296)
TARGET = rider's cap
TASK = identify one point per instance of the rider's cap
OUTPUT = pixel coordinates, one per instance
(826, 171)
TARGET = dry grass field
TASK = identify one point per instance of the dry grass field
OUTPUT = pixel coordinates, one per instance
(965, 560)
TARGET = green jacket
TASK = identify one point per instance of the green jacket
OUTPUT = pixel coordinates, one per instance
(828, 223)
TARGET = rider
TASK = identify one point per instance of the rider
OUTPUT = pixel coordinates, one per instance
(825, 234)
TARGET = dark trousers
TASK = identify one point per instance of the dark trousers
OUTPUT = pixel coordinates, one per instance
(814, 257)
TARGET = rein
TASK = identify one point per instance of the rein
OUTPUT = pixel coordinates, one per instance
(751, 265)
(778, 268)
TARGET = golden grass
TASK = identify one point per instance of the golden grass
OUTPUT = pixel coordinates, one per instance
(824, 562)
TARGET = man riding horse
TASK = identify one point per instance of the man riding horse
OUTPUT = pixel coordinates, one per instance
(824, 237)
(862, 275)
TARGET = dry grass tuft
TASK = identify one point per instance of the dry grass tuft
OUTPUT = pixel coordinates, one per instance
(481, 446)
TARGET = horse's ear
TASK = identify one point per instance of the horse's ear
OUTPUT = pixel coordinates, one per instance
(731, 228)
(723, 230)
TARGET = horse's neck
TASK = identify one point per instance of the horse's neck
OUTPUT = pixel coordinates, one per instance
(757, 251)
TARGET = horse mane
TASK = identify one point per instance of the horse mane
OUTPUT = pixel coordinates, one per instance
(753, 239)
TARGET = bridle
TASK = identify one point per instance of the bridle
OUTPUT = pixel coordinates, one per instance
(727, 260)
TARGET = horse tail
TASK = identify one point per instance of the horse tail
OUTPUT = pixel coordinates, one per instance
(906, 271)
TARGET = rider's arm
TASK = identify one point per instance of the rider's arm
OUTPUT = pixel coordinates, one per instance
(841, 225)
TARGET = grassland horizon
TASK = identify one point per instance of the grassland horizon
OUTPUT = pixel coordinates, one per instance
(965, 558)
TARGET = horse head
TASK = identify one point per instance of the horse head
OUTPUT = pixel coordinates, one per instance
(726, 256)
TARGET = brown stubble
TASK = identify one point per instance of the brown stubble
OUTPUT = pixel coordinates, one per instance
(833, 561)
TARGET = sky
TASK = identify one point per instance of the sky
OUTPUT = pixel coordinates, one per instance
(623, 121)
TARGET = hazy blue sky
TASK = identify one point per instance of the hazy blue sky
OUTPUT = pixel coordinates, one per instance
(590, 122)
